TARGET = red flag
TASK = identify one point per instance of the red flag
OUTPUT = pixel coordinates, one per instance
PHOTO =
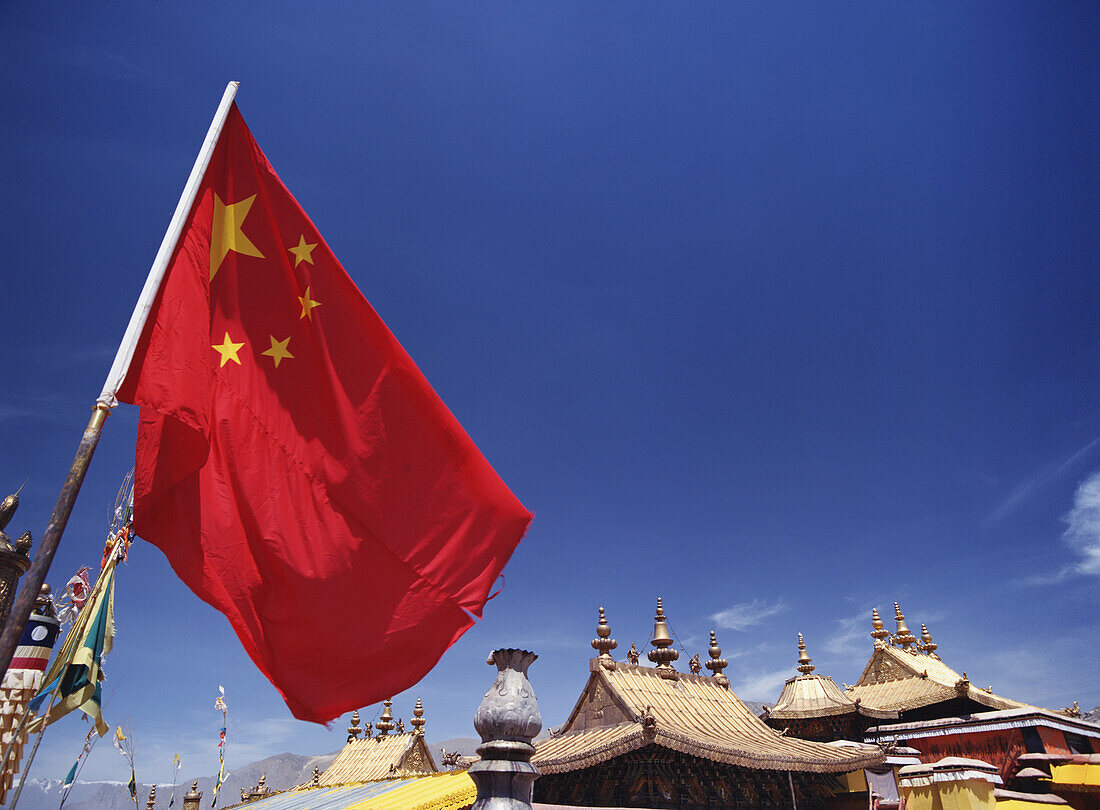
(294, 465)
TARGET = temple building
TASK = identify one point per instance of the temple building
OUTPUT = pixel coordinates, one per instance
(385, 768)
(651, 736)
(907, 696)
(813, 707)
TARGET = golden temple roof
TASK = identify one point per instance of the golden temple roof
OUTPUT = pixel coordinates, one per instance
(912, 675)
(631, 706)
(809, 695)
(385, 756)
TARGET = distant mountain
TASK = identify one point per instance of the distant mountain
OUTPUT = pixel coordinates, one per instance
(283, 771)
(1093, 716)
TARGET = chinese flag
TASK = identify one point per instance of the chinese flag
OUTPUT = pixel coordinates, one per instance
(294, 465)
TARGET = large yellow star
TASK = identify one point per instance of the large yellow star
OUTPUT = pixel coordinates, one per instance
(278, 350)
(226, 233)
(302, 251)
(228, 351)
(307, 305)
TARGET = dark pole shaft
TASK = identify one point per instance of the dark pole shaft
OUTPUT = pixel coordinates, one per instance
(47, 546)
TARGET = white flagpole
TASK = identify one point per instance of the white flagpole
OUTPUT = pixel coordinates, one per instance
(47, 546)
(167, 247)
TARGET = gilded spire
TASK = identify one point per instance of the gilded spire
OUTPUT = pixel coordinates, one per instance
(903, 637)
(879, 633)
(385, 723)
(353, 729)
(804, 665)
(717, 663)
(926, 645)
(418, 720)
(152, 798)
(603, 643)
(662, 653)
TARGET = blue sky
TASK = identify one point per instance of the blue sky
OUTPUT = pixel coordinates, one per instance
(777, 311)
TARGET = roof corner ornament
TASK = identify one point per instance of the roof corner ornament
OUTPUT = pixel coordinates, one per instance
(418, 720)
(632, 655)
(662, 654)
(353, 729)
(717, 663)
(879, 633)
(603, 644)
(1071, 711)
(400, 727)
(385, 723)
(649, 722)
(903, 637)
(804, 661)
(962, 685)
(926, 644)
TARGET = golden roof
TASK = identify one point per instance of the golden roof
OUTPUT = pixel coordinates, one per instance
(910, 676)
(386, 756)
(808, 695)
(631, 706)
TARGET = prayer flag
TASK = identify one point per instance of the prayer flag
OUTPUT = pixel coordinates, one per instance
(294, 465)
(76, 673)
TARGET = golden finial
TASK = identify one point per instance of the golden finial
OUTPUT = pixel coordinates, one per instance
(152, 798)
(353, 729)
(903, 637)
(603, 643)
(385, 723)
(418, 720)
(316, 775)
(662, 653)
(632, 655)
(879, 632)
(804, 665)
(927, 646)
(717, 663)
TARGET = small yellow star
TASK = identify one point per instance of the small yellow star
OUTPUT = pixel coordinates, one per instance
(228, 351)
(307, 305)
(302, 251)
(278, 350)
(226, 233)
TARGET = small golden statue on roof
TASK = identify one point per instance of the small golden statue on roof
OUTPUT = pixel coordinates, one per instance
(694, 665)
(632, 655)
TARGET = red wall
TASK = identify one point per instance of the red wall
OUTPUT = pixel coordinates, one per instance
(999, 748)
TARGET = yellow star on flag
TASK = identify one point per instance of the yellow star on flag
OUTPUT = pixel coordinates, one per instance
(226, 233)
(307, 305)
(228, 351)
(278, 350)
(303, 251)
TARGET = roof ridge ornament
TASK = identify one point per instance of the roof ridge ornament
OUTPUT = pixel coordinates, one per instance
(717, 663)
(385, 723)
(804, 665)
(927, 646)
(662, 654)
(418, 720)
(632, 655)
(353, 729)
(879, 633)
(603, 644)
(903, 637)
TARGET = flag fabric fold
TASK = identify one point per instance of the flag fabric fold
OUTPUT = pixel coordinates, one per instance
(294, 465)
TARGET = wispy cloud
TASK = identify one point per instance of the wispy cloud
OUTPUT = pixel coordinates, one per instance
(764, 686)
(849, 640)
(748, 614)
(1082, 535)
(1023, 491)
